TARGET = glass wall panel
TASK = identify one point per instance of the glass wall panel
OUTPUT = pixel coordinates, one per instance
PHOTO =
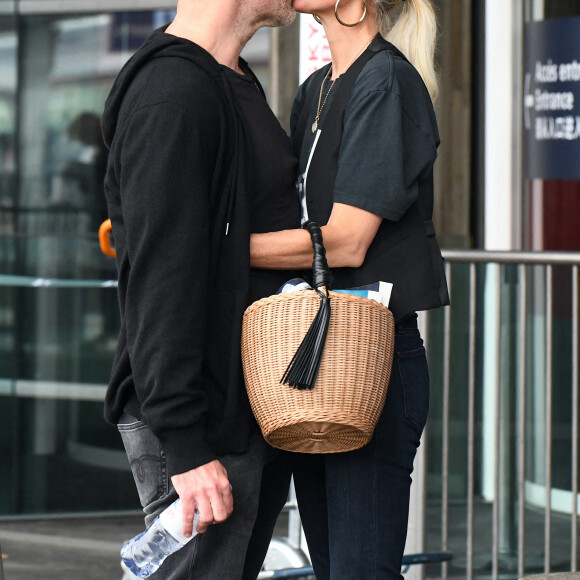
(8, 174)
(58, 320)
(552, 221)
(8, 177)
(68, 64)
(64, 457)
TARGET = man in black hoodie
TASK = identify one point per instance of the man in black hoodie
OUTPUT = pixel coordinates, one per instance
(197, 162)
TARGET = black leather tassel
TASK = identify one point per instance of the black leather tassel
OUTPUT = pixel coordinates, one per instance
(303, 368)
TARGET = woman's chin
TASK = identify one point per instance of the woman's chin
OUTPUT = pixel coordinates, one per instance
(301, 7)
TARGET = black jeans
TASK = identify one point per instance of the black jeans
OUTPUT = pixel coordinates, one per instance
(232, 550)
(354, 506)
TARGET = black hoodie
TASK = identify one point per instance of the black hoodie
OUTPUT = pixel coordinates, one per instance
(176, 181)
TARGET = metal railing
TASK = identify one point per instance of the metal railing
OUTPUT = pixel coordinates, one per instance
(497, 341)
(498, 346)
(1, 564)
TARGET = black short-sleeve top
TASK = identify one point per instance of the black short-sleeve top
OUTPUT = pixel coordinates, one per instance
(390, 135)
(374, 148)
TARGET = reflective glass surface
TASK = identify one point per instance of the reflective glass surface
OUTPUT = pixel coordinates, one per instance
(58, 321)
(552, 223)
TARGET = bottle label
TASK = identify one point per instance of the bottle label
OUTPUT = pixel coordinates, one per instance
(171, 519)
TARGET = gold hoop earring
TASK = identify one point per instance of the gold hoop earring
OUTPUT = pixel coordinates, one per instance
(317, 18)
(356, 23)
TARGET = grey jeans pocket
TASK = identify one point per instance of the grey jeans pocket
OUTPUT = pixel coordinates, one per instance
(147, 460)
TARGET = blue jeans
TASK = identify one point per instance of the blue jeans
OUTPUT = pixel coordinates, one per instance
(354, 506)
(232, 550)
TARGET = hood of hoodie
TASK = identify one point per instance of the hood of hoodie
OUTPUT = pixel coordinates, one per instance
(158, 45)
(161, 45)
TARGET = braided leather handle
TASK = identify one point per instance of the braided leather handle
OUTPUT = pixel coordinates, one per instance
(321, 274)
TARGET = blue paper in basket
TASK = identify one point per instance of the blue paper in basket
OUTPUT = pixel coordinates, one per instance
(378, 291)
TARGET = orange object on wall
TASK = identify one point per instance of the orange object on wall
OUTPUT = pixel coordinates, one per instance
(105, 239)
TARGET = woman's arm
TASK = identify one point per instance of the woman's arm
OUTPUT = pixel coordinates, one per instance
(347, 237)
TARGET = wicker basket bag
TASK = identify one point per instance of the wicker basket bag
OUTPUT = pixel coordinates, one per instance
(339, 410)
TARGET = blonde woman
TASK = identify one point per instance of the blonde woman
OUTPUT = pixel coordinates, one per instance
(365, 132)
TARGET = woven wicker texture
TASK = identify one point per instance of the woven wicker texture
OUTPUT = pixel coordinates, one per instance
(341, 412)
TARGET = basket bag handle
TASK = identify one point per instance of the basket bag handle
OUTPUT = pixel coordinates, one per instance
(321, 274)
(303, 368)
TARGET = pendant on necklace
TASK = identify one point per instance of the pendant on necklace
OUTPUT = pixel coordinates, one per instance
(314, 126)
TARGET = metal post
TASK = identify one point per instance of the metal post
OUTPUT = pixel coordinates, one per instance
(284, 55)
(575, 418)
(1, 564)
(416, 529)
(471, 419)
(274, 96)
(522, 332)
(549, 389)
(294, 521)
(497, 430)
(445, 434)
(507, 449)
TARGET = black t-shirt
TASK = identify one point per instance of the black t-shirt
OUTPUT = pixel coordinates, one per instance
(273, 200)
(390, 135)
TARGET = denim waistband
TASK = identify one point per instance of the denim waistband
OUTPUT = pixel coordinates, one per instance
(407, 323)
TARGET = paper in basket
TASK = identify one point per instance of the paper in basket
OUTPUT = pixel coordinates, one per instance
(378, 291)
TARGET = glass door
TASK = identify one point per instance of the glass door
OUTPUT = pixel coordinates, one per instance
(57, 342)
(551, 223)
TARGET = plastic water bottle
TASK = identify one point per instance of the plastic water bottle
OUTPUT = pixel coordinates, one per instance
(145, 553)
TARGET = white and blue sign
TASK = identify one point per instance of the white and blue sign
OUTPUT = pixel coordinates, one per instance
(552, 99)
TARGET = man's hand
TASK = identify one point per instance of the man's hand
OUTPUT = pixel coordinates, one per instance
(207, 487)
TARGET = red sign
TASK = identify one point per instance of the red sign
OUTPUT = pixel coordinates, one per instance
(314, 50)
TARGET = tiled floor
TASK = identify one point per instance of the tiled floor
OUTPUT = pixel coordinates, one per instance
(534, 530)
(88, 548)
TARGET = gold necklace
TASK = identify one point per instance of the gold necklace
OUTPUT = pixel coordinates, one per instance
(321, 103)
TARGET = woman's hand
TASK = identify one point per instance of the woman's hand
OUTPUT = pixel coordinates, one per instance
(347, 237)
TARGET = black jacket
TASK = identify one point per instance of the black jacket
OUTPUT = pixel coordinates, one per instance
(175, 184)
